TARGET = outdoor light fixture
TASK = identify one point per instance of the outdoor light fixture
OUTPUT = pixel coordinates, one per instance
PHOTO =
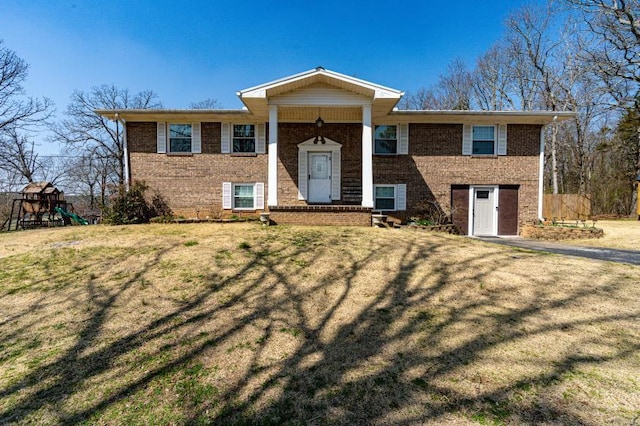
(319, 137)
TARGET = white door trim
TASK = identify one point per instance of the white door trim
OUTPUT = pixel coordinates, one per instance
(330, 146)
(472, 196)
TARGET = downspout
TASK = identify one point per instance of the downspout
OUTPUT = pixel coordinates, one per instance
(541, 171)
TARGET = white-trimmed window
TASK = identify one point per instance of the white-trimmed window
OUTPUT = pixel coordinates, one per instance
(391, 139)
(390, 197)
(180, 137)
(243, 196)
(483, 139)
(385, 140)
(244, 138)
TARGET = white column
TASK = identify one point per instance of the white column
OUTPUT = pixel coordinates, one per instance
(272, 189)
(367, 158)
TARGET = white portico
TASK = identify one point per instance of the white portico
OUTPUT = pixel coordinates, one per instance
(336, 98)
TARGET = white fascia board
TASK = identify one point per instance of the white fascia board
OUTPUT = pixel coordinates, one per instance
(469, 115)
(378, 90)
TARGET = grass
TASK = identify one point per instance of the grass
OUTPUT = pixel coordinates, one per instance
(618, 234)
(139, 325)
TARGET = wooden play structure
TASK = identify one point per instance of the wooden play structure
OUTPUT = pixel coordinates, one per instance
(41, 205)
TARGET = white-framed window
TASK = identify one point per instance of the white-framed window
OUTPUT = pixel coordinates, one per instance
(385, 139)
(385, 197)
(243, 196)
(483, 140)
(180, 138)
(244, 138)
(390, 197)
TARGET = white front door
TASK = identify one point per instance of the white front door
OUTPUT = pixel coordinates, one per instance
(319, 177)
(484, 211)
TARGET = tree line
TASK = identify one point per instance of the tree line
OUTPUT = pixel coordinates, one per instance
(565, 55)
(571, 55)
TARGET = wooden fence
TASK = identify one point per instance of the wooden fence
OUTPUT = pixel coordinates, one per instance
(566, 206)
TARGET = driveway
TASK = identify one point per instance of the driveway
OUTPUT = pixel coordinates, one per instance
(611, 255)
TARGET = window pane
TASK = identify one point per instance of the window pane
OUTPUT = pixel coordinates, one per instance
(483, 133)
(243, 131)
(385, 132)
(385, 192)
(483, 148)
(179, 145)
(180, 131)
(244, 145)
(243, 196)
(386, 146)
(244, 190)
(243, 203)
(385, 204)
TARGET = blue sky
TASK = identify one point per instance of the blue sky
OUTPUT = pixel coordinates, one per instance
(187, 51)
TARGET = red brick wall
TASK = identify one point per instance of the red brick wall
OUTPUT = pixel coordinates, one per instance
(291, 134)
(433, 165)
(191, 184)
(322, 218)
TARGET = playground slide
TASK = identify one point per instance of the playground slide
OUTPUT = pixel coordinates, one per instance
(62, 212)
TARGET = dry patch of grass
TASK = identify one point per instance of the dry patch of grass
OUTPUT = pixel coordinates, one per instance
(236, 324)
(618, 234)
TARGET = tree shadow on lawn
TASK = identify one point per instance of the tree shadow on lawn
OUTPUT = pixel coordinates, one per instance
(399, 353)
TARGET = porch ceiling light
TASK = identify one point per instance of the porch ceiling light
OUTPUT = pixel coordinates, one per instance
(319, 137)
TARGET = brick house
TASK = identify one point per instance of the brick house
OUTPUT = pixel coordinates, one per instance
(322, 147)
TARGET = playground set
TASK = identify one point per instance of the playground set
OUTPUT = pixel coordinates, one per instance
(41, 205)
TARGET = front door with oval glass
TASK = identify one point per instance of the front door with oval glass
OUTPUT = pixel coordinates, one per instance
(319, 177)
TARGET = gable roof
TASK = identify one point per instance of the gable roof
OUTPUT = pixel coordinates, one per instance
(344, 90)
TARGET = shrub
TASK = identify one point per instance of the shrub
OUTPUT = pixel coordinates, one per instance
(129, 207)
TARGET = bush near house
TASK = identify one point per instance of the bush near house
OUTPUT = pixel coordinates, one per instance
(130, 207)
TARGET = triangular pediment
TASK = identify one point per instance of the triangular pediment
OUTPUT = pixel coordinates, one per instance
(328, 144)
(320, 76)
(319, 87)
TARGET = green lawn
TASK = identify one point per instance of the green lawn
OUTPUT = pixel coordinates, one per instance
(243, 324)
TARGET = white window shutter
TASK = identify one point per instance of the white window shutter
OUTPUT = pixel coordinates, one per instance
(261, 139)
(225, 138)
(161, 143)
(403, 139)
(502, 139)
(196, 139)
(226, 195)
(335, 175)
(466, 139)
(302, 175)
(401, 197)
(259, 204)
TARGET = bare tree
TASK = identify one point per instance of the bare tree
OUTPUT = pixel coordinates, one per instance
(96, 134)
(209, 103)
(17, 155)
(530, 39)
(16, 109)
(452, 92)
(613, 48)
(492, 80)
